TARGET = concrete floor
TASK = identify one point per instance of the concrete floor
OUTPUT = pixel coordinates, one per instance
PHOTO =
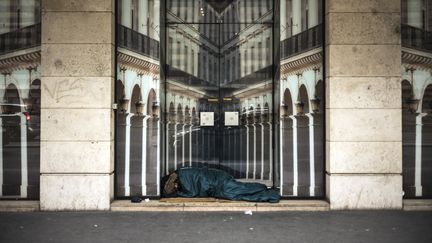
(335, 226)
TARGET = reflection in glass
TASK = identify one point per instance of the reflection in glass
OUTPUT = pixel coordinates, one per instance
(417, 98)
(243, 12)
(20, 98)
(301, 99)
(137, 93)
(219, 60)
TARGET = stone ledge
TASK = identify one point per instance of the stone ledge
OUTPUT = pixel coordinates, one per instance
(417, 205)
(19, 206)
(219, 205)
(186, 206)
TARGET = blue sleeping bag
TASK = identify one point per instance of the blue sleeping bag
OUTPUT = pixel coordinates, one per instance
(205, 182)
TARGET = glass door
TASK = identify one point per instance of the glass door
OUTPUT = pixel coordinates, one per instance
(219, 98)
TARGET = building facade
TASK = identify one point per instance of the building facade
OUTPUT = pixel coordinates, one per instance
(318, 99)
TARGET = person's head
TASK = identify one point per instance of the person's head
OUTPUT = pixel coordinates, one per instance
(171, 185)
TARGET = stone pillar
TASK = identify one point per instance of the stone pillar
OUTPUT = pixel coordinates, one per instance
(156, 24)
(286, 154)
(197, 12)
(242, 10)
(152, 178)
(181, 51)
(77, 92)
(137, 155)
(174, 50)
(126, 19)
(27, 13)
(313, 13)
(264, 61)
(190, 57)
(242, 61)
(185, 57)
(182, 7)
(143, 17)
(196, 56)
(283, 20)
(5, 16)
(296, 17)
(418, 155)
(24, 156)
(415, 13)
(189, 11)
(363, 109)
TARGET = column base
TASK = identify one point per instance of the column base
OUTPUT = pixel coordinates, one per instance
(364, 191)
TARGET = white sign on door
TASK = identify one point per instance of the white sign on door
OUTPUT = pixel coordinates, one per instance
(206, 119)
(231, 118)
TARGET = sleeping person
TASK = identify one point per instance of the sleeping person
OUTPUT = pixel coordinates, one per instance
(207, 182)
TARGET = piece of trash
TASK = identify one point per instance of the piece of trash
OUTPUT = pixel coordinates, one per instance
(95, 225)
(248, 212)
(231, 218)
(147, 200)
(21, 227)
(251, 228)
(136, 199)
(367, 230)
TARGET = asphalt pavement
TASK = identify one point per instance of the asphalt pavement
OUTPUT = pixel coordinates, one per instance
(333, 226)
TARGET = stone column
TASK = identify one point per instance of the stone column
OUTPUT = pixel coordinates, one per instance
(126, 19)
(189, 11)
(418, 155)
(24, 155)
(197, 12)
(27, 13)
(286, 154)
(242, 10)
(196, 56)
(152, 174)
(156, 23)
(313, 13)
(182, 8)
(283, 20)
(254, 56)
(415, 13)
(181, 53)
(264, 61)
(143, 17)
(5, 16)
(247, 12)
(363, 109)
(242, 60)
(77, 92)
(135, 185)
(174, 49)
(296, 17)
(190, 57)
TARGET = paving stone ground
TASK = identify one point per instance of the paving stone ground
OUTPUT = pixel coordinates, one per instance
(333, 226)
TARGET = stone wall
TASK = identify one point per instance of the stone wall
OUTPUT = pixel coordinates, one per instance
(363, 107)
(77, 124)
